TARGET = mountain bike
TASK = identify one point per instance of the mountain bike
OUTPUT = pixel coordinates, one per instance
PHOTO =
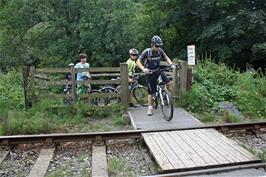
(83, 89)
(162, 96)
(139, 92)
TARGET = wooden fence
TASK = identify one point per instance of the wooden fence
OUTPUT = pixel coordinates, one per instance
(38, 80)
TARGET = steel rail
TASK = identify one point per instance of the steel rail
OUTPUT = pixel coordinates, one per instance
(211, 170)
(100, 136)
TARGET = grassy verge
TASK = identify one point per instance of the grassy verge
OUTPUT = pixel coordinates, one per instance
(44, 118)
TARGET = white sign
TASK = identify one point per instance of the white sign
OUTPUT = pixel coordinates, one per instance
(191, 55)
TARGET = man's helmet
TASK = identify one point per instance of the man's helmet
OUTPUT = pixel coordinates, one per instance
(156, 40)
(133, 52)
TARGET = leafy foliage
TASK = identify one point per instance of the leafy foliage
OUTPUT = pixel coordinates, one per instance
(11, 91)
(233, 31)
(53, 33)
(215, 83)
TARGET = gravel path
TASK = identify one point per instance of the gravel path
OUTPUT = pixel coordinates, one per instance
(257, 141)
(71, 160)
(128, 158)
(19, 161)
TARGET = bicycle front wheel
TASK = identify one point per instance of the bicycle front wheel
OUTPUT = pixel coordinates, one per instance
(166, 105)
(107, 100)
(140, 94)
(69, 99)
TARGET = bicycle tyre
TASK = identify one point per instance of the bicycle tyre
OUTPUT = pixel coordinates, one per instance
(94, 101)
(107, 100)
(140, 94)
(69, 100)
(155, 102)
(167, 106)
(118, 90)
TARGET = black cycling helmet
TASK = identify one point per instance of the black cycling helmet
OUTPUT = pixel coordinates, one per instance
(133, 52)
(156, 40)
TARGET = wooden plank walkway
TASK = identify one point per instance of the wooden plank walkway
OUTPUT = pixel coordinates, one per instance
(187, 149)
(190, 149)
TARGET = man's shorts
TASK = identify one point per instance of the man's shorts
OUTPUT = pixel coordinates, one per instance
(152, 81)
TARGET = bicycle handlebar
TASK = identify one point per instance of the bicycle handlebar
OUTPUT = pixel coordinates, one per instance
(167, 68)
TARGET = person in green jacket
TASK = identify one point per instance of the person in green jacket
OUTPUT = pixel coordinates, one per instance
(131, 62)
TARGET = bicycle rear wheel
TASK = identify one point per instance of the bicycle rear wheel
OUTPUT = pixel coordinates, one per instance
(140, 94)
(95, 100)
(167, 105)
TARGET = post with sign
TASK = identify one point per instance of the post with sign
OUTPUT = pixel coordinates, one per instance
(191, 61)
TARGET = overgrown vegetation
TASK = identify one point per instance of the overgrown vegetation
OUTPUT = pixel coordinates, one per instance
(11, 91)
(44, 118)
(216, 83)
(116, 167)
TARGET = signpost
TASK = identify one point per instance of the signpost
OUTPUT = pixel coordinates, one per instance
(191, 55)
(191, 60)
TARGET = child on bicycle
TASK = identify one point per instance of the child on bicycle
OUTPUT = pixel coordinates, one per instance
(81, 76)
(151, 58)
(131, 63)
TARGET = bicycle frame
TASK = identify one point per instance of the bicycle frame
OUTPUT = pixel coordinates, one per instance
(135, 82)
(81, 89)
(160, 87)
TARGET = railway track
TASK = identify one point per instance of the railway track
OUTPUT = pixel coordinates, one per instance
(98, 146)
(102, 136)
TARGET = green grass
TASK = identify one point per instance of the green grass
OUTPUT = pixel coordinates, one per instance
(262, 155)
(44, 118)
(61, 172)
(81, 157)
(233, 118)
(64, 172)
(117, 167)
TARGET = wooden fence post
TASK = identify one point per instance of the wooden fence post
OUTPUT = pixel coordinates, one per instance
(189, 78)
(124, 84)
(33, 97)
(73, 82)
(174, 81)
(183, 78)
(26, 75)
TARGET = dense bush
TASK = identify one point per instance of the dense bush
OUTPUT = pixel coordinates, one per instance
(11, 91)
(215, 83)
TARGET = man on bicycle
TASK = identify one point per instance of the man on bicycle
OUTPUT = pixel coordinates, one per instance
(81, 76)
(131, 63)
(151, 58)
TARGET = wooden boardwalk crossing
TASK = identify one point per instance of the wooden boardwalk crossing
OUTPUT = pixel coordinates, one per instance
(188, 149)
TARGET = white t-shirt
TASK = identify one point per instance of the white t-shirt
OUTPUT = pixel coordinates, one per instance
(80, 65)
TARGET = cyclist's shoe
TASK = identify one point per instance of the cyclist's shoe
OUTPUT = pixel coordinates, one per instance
(149, 111)
(132, 105)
